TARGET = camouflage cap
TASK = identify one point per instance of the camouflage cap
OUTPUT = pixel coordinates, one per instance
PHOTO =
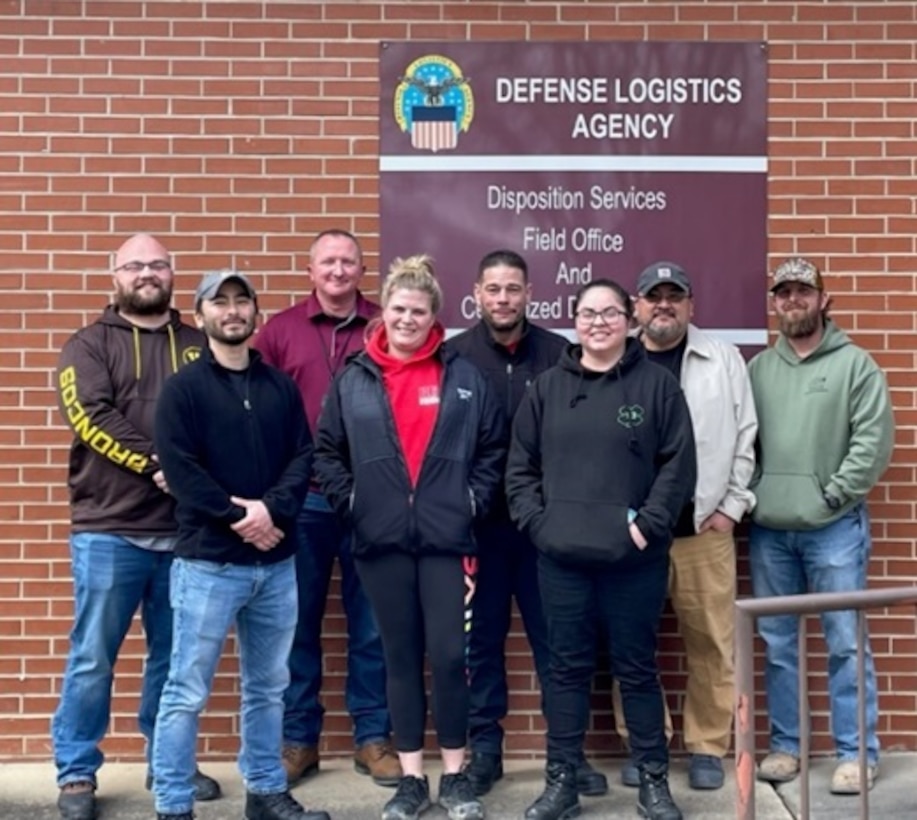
(797, 269)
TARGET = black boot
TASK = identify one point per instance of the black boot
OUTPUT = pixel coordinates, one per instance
(559, 800)
(655, 800)
(483, 770)
(590, 782)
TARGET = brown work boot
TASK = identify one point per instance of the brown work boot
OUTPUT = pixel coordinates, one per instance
(298, 761)
(379, 761)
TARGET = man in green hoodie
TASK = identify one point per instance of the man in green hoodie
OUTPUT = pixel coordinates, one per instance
(825, 436)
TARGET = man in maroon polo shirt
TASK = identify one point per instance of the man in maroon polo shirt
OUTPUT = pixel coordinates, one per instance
(311, 341)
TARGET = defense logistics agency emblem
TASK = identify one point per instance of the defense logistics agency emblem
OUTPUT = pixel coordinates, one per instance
(434, 101)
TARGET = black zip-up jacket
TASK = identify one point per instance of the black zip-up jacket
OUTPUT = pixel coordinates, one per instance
(510, 372)
(587, 447)
(219, 435)
(108, 379)
(361, 468)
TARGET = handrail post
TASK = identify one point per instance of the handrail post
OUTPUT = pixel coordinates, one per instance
(747, 610)
(745, 714)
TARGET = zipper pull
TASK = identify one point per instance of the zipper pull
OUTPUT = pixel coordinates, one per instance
(246, 404)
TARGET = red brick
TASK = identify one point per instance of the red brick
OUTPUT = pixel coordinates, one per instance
(301, 79)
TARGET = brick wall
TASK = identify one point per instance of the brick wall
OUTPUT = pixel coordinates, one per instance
(236, 130)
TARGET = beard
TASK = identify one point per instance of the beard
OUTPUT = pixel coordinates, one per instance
(233, 338)
(665, 335)
(800, 326)
(502, 323)
(133, 302)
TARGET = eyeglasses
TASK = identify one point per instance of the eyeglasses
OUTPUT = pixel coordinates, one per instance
(608, 315)
(136, 266)
(673, 297)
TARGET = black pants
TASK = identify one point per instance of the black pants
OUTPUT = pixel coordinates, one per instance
(507, 569)
(628, 602)
(419, 604)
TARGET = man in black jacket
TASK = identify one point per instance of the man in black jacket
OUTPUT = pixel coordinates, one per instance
(235, 448)
(511, 352)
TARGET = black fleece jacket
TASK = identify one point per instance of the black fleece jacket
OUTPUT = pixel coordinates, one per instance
(361, 468)
(587, 447)
(217, 439)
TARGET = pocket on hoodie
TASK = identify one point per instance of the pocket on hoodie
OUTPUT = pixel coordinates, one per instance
(584, 530)
(789, 501)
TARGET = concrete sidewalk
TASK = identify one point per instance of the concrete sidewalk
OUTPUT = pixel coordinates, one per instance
(27, 792)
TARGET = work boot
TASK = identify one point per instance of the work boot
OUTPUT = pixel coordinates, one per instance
(380, 761)
(298, 761)
(630, 774)
(705, 772)
(205, 787)
(483, 770)
(278, 806)
(590, 782)
(457, 797)
(411, 798)
(559, 800)
(185, 815)
(77, 801)
(654, 800)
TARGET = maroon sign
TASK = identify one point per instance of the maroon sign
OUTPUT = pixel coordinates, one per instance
(590, 159)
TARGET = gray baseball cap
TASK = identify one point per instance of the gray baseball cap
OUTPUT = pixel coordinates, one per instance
(663, 273)
(213, 281)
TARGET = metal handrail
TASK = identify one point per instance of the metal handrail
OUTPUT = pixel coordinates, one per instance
(747, 611)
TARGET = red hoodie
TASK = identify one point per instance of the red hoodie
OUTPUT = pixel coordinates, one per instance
(412, 386)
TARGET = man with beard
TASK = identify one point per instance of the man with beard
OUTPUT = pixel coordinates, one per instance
(511, 352)
(235, 448)
(702, 570)
(826, 436)
(123, 518)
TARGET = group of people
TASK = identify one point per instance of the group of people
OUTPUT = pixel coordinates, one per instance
(216, 478)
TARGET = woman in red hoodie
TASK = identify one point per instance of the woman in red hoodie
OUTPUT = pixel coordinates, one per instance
(409, 451)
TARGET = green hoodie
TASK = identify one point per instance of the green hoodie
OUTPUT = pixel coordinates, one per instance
(825, 429)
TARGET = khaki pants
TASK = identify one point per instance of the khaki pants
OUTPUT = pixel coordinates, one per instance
(702, 587)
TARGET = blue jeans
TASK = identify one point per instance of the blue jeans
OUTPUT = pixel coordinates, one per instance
(626, 603)
(111, 579)
(207, 599)
(507, 569)
(322, 538)
(831, 559)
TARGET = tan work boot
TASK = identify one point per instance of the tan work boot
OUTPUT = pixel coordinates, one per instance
(846, 777)
(778, 767)
(379, 761)
(298, 761)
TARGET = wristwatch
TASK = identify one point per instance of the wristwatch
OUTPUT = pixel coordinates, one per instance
(832, 502)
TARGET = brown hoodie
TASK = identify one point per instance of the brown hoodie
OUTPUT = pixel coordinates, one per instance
(108, 380)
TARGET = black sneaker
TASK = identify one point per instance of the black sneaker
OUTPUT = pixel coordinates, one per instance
(77, 801)
(278, 806)
(655, 800)
(482, 771)
(457, 797)
(411, 798)
(205, 787)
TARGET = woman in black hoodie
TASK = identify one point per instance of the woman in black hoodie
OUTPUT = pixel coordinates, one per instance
(601, 462)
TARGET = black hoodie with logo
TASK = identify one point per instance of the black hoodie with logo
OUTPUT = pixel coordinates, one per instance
(590, 449)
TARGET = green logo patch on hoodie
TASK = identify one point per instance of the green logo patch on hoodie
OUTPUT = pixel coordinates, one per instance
(630, 415)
